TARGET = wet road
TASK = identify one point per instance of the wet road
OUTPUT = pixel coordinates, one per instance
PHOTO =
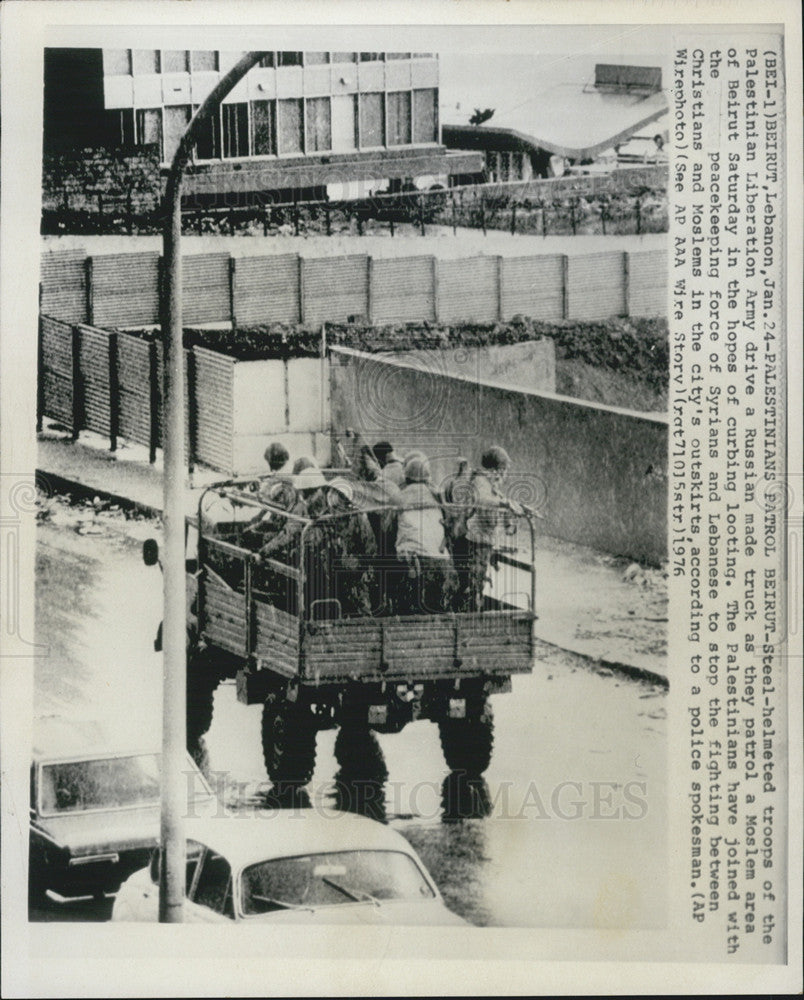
(571, 815)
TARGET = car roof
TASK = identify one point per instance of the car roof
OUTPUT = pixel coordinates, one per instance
(55, 736)
(247, 840)
(57, 739)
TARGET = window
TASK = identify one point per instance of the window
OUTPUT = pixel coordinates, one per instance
(399, 118)
(268, 61)
(316, 58)
(209, 141)
(397, 55)
(204, 61)
(344, 57)
(372, 120)
(117, 62)
(149, 127)
(344, 122)
(175, 61)
(319, 125)
(335, 879)
(235, 129)
(425, 115)
(371, 56)
(107, 783)
(126, 133)
(175, 122)
(263, 128)
(145, 60)
(193, 856)
(289, 58)
(214, 883)
(289, 125)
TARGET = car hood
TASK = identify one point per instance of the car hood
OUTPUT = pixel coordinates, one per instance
(427, 914)
(95, 832)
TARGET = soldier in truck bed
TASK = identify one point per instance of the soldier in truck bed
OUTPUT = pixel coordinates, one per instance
(339, 558)
(424, 580)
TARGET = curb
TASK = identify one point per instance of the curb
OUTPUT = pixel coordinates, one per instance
(61, 483)
(57, 484)
(597, 663)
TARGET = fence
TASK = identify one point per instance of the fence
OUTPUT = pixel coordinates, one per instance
(111, 383)
(110, 192)
(122, 290)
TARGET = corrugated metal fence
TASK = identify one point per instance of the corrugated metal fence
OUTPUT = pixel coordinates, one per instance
(123, 289)
(111, 383)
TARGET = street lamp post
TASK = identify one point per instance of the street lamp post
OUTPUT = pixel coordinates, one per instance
(174, 793)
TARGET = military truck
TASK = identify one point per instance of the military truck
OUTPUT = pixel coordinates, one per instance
(278, 625)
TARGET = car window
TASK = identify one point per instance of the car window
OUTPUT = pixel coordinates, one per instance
(194, 851)
(331, 879)
(213, 887)
(113, 782)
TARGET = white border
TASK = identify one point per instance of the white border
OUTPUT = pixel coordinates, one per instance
(100, 960)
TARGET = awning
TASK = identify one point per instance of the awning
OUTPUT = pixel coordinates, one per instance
(559, 107)
(566, 139)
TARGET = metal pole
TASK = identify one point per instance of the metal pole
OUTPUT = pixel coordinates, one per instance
(171, 887)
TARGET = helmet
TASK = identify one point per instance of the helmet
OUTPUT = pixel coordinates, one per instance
(305, 462)
(276, 455)
(417, 470)
(495, 459)
(343, 486)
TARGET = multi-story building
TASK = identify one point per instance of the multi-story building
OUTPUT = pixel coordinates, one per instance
(298, 121)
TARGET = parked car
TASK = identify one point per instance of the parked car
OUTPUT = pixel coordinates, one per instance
(94, 816)
(299, 866)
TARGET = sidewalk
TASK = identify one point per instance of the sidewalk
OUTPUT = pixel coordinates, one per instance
(599, 607)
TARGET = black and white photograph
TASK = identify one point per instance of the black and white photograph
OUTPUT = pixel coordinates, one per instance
(392, 428)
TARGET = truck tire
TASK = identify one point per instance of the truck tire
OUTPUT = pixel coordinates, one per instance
(202, 682)
(362, 773)
(288, 742)
(467, 742)
(359, 755)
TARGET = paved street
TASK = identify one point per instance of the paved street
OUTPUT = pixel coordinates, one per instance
(575, 793)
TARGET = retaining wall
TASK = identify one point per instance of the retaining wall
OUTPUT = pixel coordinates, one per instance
(598, 473)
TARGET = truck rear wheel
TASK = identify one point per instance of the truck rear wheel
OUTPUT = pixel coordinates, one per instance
(202, 681)
(359, 755)
(288, 742)
(467, 742)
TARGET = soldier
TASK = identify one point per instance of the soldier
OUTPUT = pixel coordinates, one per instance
(338, 555)
(490, 521)
(425, 579)
(282, 546)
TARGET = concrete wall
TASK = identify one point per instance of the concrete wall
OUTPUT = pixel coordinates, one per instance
(530, 365)
(283, 401)
(599, 473)
(289, 401)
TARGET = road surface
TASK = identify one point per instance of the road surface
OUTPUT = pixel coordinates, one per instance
(569, 822)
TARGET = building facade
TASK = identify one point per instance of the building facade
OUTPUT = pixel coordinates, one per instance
(297, 120)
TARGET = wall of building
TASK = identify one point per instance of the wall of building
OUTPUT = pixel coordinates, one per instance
(293, 102)
(598, 473)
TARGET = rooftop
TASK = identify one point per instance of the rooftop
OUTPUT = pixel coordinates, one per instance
(574, 107)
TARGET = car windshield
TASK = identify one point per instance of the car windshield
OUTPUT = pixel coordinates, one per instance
(107, 783)
(329, 879)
